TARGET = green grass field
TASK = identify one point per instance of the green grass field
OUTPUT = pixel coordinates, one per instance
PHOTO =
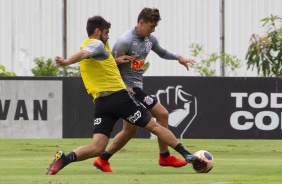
(236, 161)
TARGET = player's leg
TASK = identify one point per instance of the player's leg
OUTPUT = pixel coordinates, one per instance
(165, 159)
(166, 136)
(139, 116)
(120, 99)
(61, 160)
(130, 110)
(161, 114)
(128, 131)
(156, 109)
(119, 141)
(104, 121)
(99, 144)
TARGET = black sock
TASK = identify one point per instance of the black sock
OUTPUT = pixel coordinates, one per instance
(165, 155)
(180, 149)
(105, 156)
(71, 157)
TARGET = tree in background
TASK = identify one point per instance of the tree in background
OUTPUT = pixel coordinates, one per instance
(265, 53)
(206, 61)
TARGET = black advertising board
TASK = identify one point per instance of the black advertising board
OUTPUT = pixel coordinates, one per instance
(220, 107)
(199, 107)
(77, 109)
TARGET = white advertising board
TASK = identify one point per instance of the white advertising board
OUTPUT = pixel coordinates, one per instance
(30, 109)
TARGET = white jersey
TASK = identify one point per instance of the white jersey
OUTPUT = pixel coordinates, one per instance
(132, 44)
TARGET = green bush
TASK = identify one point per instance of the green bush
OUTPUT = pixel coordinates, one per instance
(3, 72)
(146, 66)
(49, 68)
(45, 68)
(204, 66)
(69, 71)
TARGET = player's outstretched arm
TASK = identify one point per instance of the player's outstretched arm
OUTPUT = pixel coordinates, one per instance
(184, 61)
(72, 59)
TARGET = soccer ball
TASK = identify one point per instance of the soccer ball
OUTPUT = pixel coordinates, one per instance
(206, 156)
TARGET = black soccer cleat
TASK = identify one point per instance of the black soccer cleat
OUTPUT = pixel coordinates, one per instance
(192, 159)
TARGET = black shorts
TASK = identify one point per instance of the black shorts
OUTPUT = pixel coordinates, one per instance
(147, 100)
(107, 110)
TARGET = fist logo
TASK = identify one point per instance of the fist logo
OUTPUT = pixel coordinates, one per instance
(182, 108)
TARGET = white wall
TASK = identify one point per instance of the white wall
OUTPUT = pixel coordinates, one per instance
(29, 28)
(183, 22)
(33, 28)
(243, 18)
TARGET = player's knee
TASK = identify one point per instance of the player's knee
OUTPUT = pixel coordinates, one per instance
(133, 132)
(162, 117)
(154, 128)
(130, 132)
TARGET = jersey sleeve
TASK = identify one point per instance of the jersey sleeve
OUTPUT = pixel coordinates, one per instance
(95, 48)
(120, 48)
(163, 53)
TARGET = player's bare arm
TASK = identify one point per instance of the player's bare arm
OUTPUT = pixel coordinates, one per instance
(72, 59)
(184, 61)
(123, 59)
(130, 90)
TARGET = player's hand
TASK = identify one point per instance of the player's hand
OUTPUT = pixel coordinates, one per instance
(124, 59)
(59, 61)
(130, 90)
(184, 61)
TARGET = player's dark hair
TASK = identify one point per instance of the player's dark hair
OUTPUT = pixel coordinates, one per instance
(96, 22)
(149, 15)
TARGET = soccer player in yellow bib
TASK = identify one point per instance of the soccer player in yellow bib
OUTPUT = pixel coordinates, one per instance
(112, 101)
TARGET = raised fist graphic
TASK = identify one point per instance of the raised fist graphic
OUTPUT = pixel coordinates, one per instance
(182, 108)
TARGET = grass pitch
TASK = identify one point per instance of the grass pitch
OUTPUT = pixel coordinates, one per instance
(236, 162)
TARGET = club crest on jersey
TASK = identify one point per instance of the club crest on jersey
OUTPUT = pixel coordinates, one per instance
(148, 100)
(97, 121)
(135, 117)
(148, 46)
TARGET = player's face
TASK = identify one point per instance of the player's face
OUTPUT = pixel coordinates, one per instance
(146, 28)
(104, 35)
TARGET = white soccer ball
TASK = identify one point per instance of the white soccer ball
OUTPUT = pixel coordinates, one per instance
(206, 156)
